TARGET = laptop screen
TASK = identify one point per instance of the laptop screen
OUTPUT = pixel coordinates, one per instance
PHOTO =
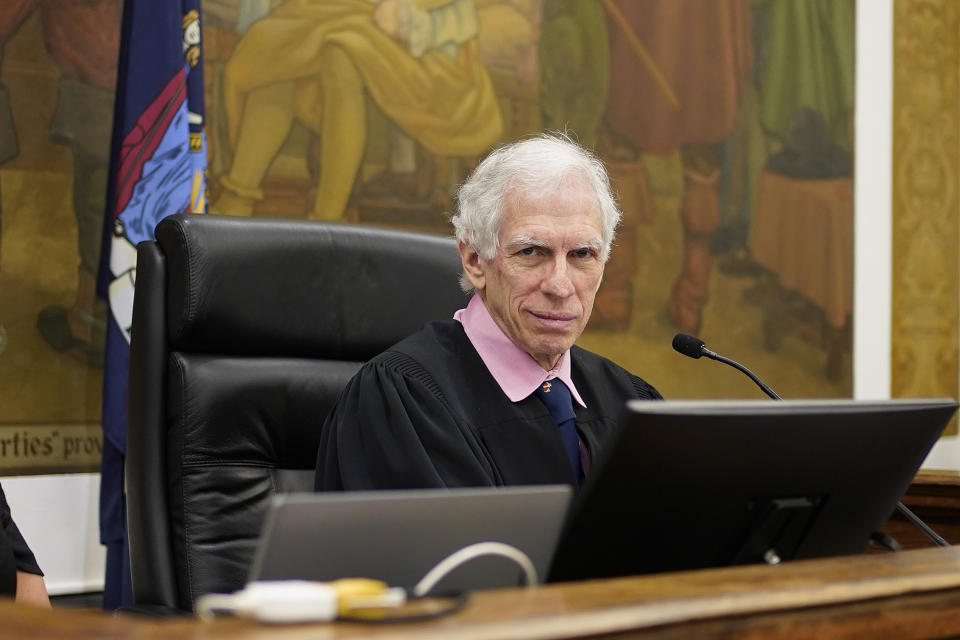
(398, 536)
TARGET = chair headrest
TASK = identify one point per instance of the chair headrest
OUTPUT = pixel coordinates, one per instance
(253, 286)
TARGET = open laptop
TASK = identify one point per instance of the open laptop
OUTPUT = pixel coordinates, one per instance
(398, 536)
(690, 485)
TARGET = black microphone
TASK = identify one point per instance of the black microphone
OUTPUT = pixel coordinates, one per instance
(695, 348)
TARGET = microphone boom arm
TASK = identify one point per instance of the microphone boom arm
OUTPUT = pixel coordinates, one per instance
(736, 365)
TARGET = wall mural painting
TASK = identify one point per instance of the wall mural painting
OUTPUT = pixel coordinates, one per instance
(58, 64)
(726, 126)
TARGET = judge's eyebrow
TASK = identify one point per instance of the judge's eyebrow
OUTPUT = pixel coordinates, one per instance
(529, 241)
(593, 245)
(525, 241)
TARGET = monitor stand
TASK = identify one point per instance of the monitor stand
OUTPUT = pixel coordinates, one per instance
(778, 528)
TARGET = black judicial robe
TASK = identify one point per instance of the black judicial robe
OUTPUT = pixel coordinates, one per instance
(427, 413)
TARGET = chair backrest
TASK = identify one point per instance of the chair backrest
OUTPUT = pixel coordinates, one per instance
(244, 333)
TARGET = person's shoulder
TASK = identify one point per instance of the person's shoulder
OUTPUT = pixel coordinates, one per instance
(598, 368)
(432, 340)
(428, 361)
(424, 351)
(595, 363)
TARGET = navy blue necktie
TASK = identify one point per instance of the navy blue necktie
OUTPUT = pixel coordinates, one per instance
(559, 402)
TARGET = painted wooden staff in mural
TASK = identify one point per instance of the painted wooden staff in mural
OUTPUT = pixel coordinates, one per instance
(317, 61)
(637, 45)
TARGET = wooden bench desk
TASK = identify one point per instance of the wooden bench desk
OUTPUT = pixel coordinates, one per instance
(912, 594)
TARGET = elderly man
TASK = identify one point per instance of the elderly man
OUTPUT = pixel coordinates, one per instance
(498, 395)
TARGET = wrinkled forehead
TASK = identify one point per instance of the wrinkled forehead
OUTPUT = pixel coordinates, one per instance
(570, 204)
(533, 186)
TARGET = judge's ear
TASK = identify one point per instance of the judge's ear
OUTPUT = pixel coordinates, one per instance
(473, 268)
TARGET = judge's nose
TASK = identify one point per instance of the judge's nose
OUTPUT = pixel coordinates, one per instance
(557, 281)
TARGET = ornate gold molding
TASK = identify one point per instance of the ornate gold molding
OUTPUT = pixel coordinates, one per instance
(926, 273)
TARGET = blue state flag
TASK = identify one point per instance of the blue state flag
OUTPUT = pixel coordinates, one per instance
(158, 157)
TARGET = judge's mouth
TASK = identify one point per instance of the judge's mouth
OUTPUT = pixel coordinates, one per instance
(553, 319)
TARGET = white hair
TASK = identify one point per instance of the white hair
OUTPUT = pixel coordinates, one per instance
(536, 167)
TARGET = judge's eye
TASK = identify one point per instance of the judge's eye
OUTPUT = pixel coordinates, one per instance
(584, 253)
(528, 251)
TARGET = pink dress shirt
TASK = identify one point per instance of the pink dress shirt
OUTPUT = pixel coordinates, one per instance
(515, 370)
(517, 373)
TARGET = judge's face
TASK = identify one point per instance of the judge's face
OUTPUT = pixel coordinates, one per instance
(541, 284)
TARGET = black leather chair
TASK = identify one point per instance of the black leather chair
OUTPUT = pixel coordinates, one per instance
(244, 333)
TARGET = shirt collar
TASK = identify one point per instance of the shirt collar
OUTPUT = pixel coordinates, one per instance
(517, 373)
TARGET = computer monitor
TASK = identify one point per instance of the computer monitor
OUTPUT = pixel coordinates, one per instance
(689, 485)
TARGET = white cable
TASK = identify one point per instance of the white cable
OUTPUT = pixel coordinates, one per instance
(470, 552)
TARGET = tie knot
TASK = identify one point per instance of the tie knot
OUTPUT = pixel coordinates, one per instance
(556, 396)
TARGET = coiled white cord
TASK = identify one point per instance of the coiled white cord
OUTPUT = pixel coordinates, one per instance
(470, 552)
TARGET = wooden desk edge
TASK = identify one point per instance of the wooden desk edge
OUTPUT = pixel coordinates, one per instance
(644, 605)
(729, 592)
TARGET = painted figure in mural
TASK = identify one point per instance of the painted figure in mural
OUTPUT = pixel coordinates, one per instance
(317, 61)
(82, 37)
(687, 101)
(574, 61)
